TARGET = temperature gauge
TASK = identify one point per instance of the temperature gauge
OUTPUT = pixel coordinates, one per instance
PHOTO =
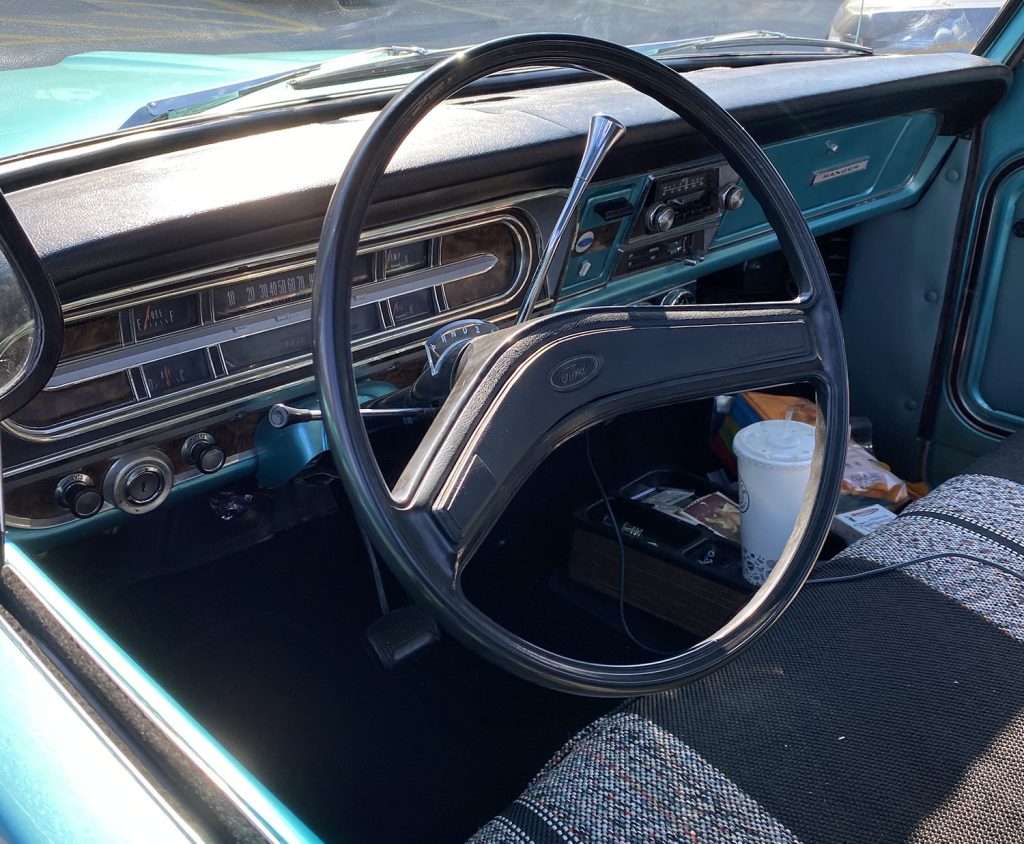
(176, 373)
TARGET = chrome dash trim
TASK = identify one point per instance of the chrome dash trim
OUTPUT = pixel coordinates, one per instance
(510, 212)
(370, 241)
(387, 288)
(150, 351)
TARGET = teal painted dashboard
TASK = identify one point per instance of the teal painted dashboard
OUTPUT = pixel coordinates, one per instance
(899, 156)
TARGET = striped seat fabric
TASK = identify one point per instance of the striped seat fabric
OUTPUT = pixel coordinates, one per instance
(887, 709)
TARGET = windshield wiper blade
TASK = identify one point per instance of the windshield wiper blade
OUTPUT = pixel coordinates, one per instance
(405, 60)
(755, 38)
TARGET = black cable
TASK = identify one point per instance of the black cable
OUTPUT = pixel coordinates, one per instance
(378, 581)
(844, 578)
(622, 556)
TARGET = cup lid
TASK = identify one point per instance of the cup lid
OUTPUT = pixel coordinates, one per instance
(775, 441)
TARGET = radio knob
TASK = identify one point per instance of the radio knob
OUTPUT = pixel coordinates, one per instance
(78, 494)
(660, 218)
(731, 197)
(202, 451)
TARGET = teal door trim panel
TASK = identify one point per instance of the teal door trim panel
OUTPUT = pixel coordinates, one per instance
(973, 369)
(954, 432)
(61, 779)
(263, 810)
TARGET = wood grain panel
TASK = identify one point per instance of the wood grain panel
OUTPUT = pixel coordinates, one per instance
(674, 594)
(494, 239)
(34, 499)
(52, 407)
(90, 336)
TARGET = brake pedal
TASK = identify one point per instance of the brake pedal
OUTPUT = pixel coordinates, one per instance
(401, 634)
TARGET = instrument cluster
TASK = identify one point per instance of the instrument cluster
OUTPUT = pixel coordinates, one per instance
(165, 382)
(226, 326)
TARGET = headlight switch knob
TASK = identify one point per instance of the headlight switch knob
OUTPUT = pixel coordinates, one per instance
(202, 452)
(79, 495)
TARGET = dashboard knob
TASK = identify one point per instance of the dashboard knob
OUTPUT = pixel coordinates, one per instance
(79, 495)
(139, 482)
(660, 218)
(202, 451)
(731, 197)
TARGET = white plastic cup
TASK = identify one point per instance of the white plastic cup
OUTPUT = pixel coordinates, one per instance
(774, 461)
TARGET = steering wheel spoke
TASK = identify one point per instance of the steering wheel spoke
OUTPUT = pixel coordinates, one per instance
(523, 391)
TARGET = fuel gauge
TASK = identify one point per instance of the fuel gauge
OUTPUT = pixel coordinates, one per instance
(164, 316)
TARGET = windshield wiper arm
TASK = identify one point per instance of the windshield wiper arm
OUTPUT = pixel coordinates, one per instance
(320, 74)
(755, 38)
(407, 60)
(196, 101)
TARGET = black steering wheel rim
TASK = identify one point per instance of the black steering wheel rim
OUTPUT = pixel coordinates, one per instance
(401, 533)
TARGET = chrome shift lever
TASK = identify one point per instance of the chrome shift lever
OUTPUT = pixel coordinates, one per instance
(604, 132)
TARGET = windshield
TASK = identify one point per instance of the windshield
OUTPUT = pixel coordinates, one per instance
(71, 69)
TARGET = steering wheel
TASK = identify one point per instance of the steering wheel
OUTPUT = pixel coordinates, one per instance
(509, 407)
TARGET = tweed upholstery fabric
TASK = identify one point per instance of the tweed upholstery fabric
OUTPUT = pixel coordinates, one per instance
(627, 779)
(971, 514)
(885, 709)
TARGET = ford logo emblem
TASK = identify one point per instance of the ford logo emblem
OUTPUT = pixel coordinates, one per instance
(573, 373)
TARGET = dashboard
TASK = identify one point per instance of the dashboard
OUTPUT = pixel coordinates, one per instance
(187, 280)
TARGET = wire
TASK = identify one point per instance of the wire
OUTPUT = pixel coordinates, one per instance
(622, 556)
(845, 578)
(378, 581)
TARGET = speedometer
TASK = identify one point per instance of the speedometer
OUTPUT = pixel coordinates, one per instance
(262, 292)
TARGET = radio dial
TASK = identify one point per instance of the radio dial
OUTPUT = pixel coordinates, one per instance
(660, 218)
(731, 197)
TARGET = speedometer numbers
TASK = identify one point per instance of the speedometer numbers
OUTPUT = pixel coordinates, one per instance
(264, 292)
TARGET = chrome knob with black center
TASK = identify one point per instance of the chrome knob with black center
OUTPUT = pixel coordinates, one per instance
(731, 197)
(79, 496)
(202, 452)
(660, 218)
(139, 482)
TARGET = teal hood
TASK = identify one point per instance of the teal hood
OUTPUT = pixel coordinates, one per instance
(95, 93)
